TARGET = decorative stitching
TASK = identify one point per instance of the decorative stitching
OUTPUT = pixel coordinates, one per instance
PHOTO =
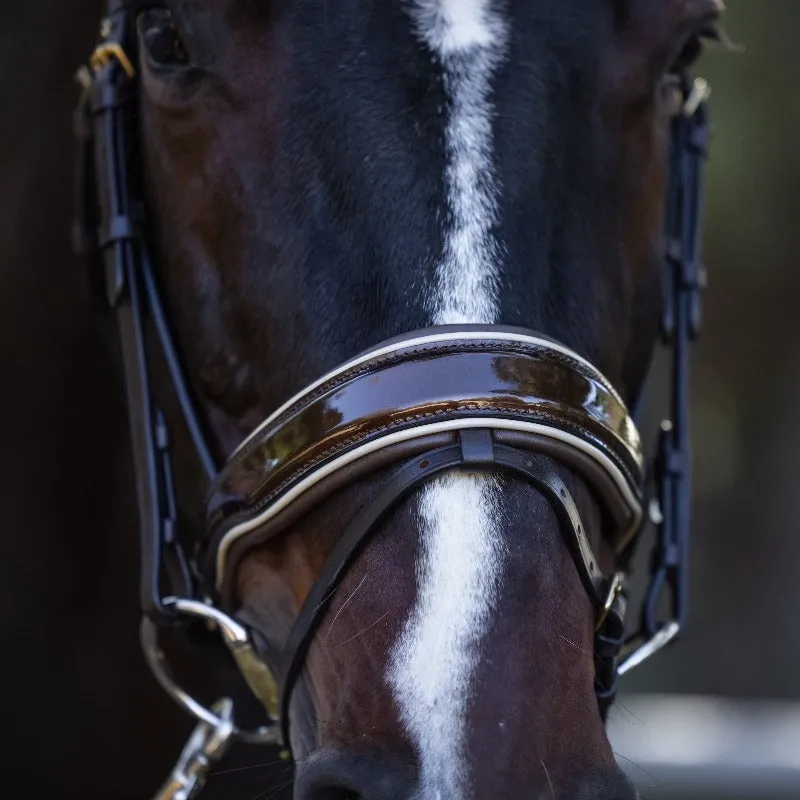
(344, 444)
(389, 359)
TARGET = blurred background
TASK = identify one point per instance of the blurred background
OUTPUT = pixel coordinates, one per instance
(715, 718)
(718, 715)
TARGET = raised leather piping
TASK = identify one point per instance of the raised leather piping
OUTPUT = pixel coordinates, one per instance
(620, 479)
(607, 491)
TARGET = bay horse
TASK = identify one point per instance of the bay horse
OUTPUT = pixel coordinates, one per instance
(452, 211)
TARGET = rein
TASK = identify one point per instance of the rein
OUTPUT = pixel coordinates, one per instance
(451, 398)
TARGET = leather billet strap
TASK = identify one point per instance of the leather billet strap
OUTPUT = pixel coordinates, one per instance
(609, 640)
(426, 384)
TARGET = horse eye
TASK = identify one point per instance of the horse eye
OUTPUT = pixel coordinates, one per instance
(161, 40)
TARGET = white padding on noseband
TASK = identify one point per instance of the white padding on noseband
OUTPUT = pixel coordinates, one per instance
(345, 459)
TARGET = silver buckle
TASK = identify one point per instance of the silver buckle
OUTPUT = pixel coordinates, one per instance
(650, 647)
(216, 729)
(235, 637)
(700, 92)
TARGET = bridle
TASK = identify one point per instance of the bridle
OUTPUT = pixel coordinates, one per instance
(460, 397)
(452, 398)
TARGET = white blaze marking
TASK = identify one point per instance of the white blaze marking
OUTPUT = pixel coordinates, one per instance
(468, 37)
(434, 660)
(435, 657)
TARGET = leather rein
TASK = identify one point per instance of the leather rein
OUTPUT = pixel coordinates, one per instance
(475, 398)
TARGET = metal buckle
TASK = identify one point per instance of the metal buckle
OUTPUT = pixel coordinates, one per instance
(105, 53)
(235, 637)
(613, 593)
(206, 745)
(701, 91)
(108, 51)
(658, 642)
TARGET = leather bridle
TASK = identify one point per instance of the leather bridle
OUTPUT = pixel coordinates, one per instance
(453, 398)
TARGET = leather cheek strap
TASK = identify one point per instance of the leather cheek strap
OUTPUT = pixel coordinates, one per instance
(476, 449)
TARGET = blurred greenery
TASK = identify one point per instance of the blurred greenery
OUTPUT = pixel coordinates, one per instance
(743, 638)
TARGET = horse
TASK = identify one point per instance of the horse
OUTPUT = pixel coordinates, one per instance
(452, 212)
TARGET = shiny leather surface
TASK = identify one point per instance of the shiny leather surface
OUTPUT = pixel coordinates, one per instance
(417, 386)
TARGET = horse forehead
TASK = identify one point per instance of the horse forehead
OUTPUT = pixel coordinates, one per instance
(451, 26)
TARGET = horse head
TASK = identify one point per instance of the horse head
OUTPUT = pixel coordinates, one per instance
(424, 542)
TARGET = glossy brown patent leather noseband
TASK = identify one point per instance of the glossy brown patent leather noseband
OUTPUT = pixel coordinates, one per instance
(423, 383)
(504, 399)
(468, 397)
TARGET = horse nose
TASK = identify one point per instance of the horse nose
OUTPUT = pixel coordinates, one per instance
(342, 775)
(338, 775)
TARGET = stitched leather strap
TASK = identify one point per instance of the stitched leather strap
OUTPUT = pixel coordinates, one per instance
(476, 449)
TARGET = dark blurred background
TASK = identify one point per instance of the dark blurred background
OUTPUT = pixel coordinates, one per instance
(743, 640)
(715, 718)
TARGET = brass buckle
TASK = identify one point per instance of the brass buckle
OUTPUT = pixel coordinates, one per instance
(105, 53)
(611, 598)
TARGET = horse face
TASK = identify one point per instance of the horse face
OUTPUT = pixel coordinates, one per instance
(324, 176)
